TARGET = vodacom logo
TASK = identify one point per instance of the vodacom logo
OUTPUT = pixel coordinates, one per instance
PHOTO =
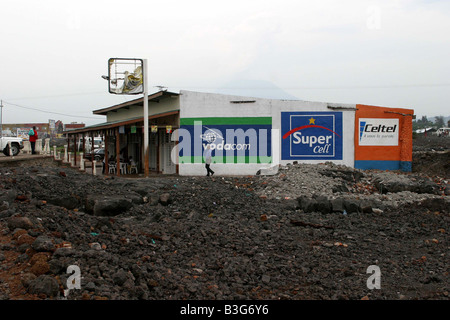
(214, 138)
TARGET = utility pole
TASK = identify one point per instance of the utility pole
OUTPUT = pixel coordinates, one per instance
(1, 119)
(145, 105)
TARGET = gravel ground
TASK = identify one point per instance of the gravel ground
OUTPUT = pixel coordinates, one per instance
(431, 156)
(308, 232)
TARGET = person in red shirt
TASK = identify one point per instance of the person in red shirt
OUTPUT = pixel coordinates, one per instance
(33, 137)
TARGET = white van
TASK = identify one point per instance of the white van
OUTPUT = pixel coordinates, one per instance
(98, 143)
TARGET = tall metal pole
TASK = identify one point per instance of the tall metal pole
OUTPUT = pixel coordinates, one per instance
(146, 139)
(1, 118)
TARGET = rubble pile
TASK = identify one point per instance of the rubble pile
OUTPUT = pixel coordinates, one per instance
(334, 188)
(431, 157)
(308, 232)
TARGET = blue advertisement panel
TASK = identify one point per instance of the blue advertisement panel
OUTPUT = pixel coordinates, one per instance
(231, 140)
(311, 135)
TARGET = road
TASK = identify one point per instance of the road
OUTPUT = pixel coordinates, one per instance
(22, 156)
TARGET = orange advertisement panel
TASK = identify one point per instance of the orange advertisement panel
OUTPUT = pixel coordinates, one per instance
(383, 138)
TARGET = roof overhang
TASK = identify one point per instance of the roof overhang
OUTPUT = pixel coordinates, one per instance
(155, 97)
(115, 124)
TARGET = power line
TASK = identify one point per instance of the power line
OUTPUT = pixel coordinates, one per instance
(61, 95)
(46, 111)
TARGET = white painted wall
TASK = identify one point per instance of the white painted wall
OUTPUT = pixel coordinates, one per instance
(165, 105)
(197, 105)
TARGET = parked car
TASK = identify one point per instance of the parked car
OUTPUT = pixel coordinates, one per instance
(99, 154)
(98, 143)
(16, 145)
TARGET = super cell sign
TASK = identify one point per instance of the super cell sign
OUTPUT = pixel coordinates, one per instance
(311, 136)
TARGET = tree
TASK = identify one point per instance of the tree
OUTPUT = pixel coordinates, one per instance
(60, 128)
(439, 121)
(422, 123)
(424, 120)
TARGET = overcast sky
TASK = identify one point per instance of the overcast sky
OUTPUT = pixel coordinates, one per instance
(389, 53)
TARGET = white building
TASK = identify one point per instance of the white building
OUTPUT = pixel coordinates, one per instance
(246, 134)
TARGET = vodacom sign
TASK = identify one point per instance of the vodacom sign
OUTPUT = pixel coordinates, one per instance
(214, 139)
(232, 140)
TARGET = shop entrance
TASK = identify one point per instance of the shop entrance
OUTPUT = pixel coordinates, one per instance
(160, 152)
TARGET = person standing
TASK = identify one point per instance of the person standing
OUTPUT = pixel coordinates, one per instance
(208, 156)
(33, 137)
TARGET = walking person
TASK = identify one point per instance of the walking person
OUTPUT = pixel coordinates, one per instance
(33, 137)
(104, 163)
(208, 156)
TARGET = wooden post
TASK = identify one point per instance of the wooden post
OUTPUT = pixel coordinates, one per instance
(92, 152)
(68, 145)
(84, 149)
(84, 142)
(75, 138)
(106, 153)
(158, 153)
(117, 152)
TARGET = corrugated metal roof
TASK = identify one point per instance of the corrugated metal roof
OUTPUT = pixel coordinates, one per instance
(100, 126)
(138, 102)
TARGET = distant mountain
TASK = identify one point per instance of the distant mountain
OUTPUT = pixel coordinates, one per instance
(256, 89)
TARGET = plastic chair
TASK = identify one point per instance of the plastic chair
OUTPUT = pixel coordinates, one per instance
(112, 168)
(133, 167)
(123, 168)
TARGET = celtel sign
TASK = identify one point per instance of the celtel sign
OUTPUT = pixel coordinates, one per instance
(378, 132)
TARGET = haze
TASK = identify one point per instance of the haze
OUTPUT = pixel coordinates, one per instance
(386, 53)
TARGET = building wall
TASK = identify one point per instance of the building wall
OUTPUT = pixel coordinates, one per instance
(269, 119)
(154, 108)
(22, 129)
(383, 138)
(221, 113)
(250, 134)
(343, 119)
(13, 126)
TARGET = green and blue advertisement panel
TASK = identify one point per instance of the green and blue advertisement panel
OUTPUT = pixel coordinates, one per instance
(231, 139)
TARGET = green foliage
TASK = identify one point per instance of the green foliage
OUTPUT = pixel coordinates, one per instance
(439, 121)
